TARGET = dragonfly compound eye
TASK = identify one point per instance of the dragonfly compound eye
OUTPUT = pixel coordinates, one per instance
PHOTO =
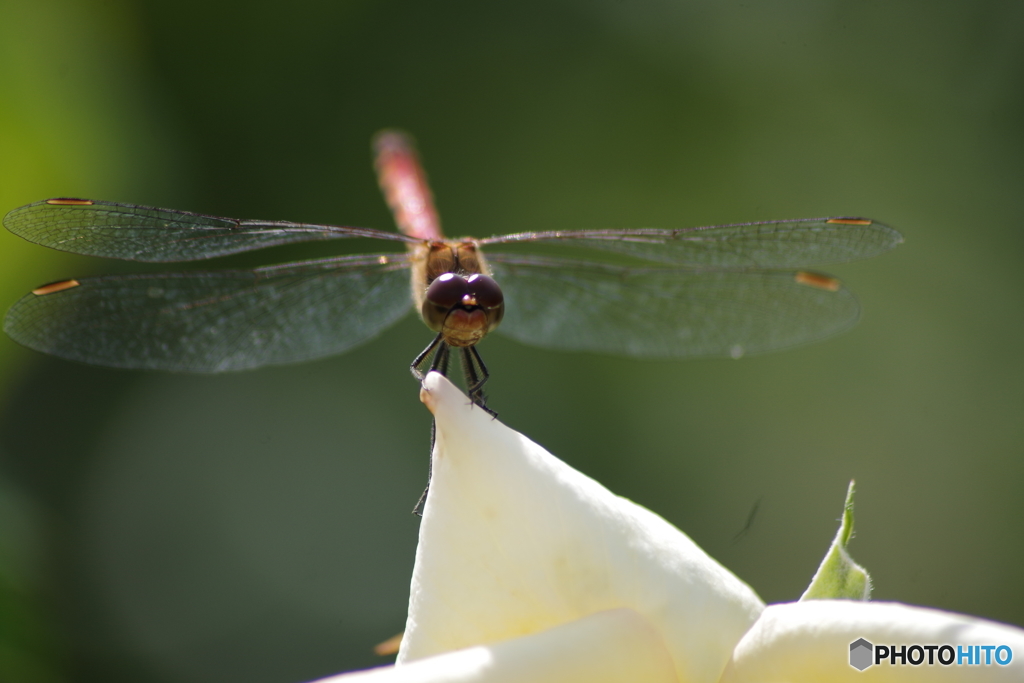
(443, 294)
(447, 290)
(485, 290)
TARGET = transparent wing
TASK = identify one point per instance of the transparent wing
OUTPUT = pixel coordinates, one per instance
(215, 321)
(768, 244)
(145, 233)
(667, 312)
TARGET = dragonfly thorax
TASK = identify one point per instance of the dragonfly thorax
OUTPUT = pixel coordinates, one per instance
(454, 292)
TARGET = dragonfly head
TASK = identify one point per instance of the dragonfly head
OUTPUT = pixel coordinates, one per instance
(463, 309)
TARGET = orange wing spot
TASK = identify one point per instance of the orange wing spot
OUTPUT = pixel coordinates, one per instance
(849, 221)
(817, 280)
(55, 287)
(65, 201)
(389, 646)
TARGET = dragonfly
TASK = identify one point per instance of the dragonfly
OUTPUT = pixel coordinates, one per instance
(724, 290)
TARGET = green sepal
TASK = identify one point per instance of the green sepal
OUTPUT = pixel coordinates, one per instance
(839, 577)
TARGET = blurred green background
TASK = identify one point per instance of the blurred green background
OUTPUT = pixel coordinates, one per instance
(255, 526)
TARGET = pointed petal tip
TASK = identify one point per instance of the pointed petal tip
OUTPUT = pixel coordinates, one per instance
(436, 387)
(447, 401)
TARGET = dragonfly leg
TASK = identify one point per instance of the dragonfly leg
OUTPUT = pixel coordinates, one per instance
(442, 359)
(439, 361)
(420, 361)
(476, 375)
(418, 508)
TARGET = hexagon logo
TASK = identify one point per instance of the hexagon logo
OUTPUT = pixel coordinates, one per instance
(860, 654)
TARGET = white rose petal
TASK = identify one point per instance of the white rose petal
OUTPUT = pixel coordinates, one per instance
(810, 642)
(514, 542)
(607, 647)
